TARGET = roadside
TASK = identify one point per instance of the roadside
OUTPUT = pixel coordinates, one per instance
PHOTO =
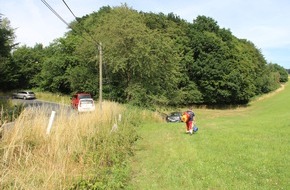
(34, 106)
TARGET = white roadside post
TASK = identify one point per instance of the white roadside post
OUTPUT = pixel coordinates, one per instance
(120, 117)
(50, 122)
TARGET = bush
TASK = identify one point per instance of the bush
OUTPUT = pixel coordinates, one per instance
(8, 111)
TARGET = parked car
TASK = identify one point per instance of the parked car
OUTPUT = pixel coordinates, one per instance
(24, 95)
(83, 102)
(174, 117)
(77, 97)
(86, 105)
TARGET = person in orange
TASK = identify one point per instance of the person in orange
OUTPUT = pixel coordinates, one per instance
(189, 118)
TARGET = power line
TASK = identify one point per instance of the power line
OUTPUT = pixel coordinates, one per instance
(100, 57)
(70, 10)
(99, 45)
(77, 19)
(56, 14)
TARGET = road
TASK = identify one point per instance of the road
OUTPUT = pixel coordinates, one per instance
(38, 105)
(35, 103)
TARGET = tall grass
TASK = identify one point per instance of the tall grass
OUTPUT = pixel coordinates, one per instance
(58, 98)
(83, 151)
(9, 111)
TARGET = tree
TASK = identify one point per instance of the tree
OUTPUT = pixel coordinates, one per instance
(29, 61)
(205, 24)
(226, 70)
(6, 37)
(9, 76)
(8, 70)
(57, 64)
(148, 60)
(141, 64)
(283, 74)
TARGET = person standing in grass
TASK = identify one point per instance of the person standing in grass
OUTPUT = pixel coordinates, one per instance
(189, 118)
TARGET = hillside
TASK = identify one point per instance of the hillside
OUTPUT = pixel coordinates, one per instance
(145, 59)
(243, 148)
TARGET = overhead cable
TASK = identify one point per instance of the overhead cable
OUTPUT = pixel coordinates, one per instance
(70, 10)
(77, 19)
(54, 12)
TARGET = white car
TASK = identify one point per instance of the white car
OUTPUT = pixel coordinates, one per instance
(86, 105)
(24, 95)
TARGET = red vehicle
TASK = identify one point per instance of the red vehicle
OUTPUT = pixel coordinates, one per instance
(75, 100)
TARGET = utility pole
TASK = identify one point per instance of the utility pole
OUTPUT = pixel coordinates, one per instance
(100, 75)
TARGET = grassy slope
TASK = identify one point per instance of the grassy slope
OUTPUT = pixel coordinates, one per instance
(245, 148)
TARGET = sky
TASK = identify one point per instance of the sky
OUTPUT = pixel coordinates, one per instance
(263, 22)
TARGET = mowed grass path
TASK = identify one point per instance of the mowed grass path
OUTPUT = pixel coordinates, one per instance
(244, 148)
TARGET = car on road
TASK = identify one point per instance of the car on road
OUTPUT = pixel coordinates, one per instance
(24, 95)
(77, 97)
(174, 117)
(86, 105)
(83, 102)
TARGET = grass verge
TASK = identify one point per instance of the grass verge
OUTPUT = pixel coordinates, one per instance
(83, 151)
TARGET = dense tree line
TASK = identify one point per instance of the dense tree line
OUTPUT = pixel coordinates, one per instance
(148, 60)
(8, 76)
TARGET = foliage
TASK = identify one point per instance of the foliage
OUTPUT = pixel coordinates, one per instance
(8, 70)
(29, 62)
(148, 60)
(6, 37)
(9, 74)
(9, 111)
(283, 74)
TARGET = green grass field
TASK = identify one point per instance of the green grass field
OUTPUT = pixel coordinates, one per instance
(243, 148)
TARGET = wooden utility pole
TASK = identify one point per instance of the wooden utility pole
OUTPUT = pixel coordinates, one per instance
(101, 75)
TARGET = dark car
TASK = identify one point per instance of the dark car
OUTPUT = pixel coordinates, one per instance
(174, 117)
